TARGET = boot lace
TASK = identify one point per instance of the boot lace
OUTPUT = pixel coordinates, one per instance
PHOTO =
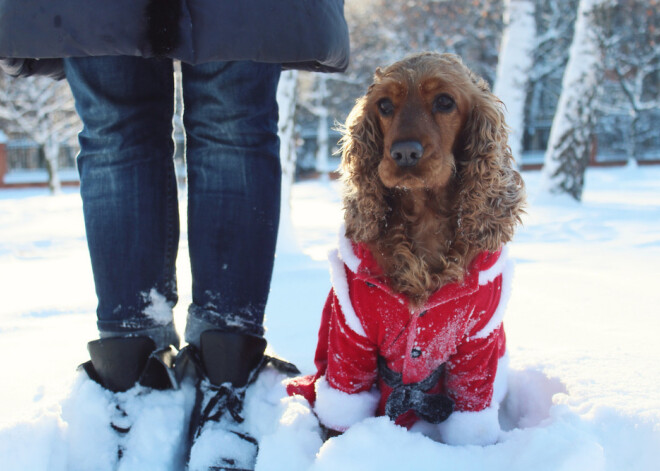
(224, 399)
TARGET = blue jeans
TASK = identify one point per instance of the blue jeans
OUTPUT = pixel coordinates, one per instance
(129, 191)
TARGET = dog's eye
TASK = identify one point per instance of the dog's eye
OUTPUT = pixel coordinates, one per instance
(443, 104)
(386, 107)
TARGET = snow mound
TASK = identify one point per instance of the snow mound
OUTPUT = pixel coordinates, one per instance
(544, 434)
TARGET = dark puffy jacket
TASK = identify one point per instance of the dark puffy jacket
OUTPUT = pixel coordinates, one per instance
(301, 34)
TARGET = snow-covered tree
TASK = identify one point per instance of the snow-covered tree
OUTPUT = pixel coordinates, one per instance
(554, 31)
(321, 109)
(569, 146)
(513, 68)
(628, 33)
(555, 22)
(42, 110)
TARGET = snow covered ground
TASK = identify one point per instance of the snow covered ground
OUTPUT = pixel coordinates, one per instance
(582, 328)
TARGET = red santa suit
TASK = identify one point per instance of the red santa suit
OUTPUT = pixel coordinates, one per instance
(456, 339)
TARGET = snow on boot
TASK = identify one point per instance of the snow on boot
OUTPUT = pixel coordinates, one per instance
(88, 411)
(224, 366)
(139, 381)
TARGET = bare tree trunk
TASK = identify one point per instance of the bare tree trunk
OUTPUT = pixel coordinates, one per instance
(322, 134)
(632, 138)
(569, 146)
(51, 150)
(286, 99)
(3, 156)
(515, 61)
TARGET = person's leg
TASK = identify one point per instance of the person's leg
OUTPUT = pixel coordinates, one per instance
(129, 191)
(230, 117)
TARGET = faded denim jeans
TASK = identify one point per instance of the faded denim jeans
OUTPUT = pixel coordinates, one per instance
(129, 191)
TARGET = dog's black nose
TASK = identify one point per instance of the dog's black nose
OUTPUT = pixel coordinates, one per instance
(407, 153)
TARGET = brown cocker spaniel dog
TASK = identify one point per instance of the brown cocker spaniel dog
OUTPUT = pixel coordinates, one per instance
(429, 177)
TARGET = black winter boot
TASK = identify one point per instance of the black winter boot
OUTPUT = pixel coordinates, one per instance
(118, 363)
(224, 366)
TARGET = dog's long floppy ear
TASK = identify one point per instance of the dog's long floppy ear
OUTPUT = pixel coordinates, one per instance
(364, 194)
(492, 192)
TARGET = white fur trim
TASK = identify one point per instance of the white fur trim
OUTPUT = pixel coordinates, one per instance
(500, 384)
(346, 252)
(471, 428)
(339, 410)
(493, 272)
(498, 316)
(340, 287)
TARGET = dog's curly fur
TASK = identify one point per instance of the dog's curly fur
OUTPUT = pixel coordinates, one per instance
(425, 223)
